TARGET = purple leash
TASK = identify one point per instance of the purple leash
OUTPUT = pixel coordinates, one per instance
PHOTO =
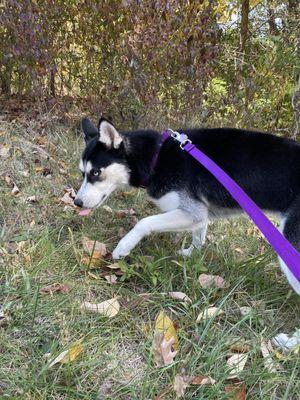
(280, 244)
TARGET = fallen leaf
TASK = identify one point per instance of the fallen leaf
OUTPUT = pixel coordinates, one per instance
(123, 213)
(236, 391)
(164, 324)
(180, 296)
(98, 249)
(165, 341)
(111, 278)
(266, 351)
(68, 197)
(121, 232)
(68, 355)
(208, 313)
(239, 346)
(211, 281)
(200, 380)
(163, 350)
(55, 288)
(181, 382)
(109, 308)
(236, 363)
(15, 190)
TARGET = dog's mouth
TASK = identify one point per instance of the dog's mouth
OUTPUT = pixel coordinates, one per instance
(84, 212)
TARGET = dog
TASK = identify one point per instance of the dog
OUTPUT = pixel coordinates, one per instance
(267, 167)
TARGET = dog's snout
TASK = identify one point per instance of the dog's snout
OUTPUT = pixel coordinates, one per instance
(78, 202)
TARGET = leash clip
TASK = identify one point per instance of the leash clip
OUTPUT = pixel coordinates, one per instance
(180, 137)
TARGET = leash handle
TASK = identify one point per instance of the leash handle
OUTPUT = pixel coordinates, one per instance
(280, 244)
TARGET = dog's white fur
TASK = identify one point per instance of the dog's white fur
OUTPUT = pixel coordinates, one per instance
(109, 135)
(93, 195)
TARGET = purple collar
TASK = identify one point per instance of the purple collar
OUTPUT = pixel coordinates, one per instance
(165, 135)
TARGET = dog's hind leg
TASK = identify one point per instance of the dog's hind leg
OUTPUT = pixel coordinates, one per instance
(290, 226)
(199, 234)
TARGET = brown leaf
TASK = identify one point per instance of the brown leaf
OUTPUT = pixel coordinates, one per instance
(180, 296)
(68, 197)
(181, 382)
(201, 380)
(163, 350)
(239, 346)
(211, 281)
(55, 288)
(236, 391)
(98, 249)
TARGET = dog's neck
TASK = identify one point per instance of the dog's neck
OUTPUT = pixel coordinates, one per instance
(140, 148)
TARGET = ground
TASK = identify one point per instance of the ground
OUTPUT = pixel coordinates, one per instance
(41, 244)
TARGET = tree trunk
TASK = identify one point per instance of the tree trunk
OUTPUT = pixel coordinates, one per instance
(244, 25)
(271, 19)
(52, 82)
(5, 81)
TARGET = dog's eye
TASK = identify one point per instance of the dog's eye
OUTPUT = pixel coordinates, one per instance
(95, 173)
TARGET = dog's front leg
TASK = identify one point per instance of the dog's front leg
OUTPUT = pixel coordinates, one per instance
(172, 221)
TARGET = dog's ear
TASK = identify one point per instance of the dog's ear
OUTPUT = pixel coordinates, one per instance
(89, 130)
(108, 134)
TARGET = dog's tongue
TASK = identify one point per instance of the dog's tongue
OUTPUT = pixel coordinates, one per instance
(85, 212)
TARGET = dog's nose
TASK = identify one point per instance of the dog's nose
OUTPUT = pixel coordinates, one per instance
(78, 202)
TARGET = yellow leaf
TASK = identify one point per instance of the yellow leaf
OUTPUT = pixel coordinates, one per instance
(68, 355)
(164, 324)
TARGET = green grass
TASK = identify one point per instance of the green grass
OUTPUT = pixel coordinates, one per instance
(117, 351)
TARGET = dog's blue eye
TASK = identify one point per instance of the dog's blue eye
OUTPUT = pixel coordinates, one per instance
(95, 173)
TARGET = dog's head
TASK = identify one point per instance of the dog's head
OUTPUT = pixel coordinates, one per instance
(102, 164)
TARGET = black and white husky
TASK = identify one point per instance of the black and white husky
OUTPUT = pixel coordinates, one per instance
(265, 166)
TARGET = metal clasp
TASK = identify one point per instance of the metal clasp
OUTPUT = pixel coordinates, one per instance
(180, 137)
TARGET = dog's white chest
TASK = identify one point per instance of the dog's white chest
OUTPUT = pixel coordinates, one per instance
(168, 202)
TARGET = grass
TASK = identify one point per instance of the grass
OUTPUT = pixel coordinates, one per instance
(40, 244)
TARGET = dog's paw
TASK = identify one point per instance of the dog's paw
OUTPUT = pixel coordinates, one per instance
(186, 252)
(120, 251)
